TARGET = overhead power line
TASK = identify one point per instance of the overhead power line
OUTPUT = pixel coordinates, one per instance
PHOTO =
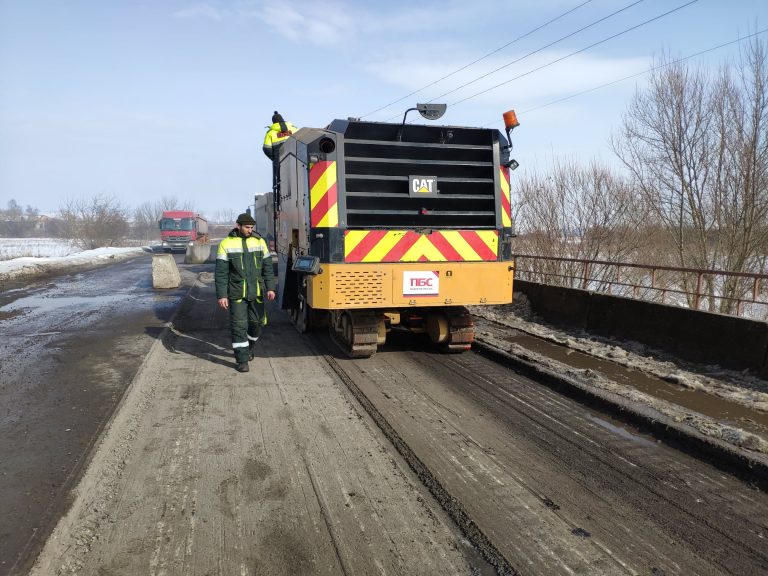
(647, 71)
(531, 53)
(491, 53)
(555, 61)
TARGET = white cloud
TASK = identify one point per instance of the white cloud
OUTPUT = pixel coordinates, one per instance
(204, 11)
(431, 21)
(334, 22)
(320, 23)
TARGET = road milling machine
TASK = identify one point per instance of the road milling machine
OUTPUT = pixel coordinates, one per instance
(383, 225)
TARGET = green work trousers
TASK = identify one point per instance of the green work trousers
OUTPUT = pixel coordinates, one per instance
(246, 317)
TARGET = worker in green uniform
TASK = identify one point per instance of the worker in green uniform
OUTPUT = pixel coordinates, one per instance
(244, 278)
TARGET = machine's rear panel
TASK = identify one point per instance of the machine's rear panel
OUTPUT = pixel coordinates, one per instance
(379, 159)
(407, 225)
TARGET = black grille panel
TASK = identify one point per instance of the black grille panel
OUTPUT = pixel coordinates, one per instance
(379, 158)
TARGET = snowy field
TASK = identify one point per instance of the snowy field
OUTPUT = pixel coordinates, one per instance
(28, 257)
(11, 248)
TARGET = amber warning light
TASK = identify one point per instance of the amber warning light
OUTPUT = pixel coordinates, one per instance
(510, 120)
(510, 123)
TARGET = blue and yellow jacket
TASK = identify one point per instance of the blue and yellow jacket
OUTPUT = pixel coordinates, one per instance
(243, 268)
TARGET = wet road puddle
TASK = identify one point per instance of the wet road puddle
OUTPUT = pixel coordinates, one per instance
(48, 303)
(720, 409)
(622, 432)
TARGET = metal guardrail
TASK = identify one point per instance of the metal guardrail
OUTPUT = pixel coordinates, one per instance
(736, 293)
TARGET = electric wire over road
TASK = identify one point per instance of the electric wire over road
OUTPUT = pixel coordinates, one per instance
(540, 49)
(647, 71)
(574, 53)
(491, 53)
(533, 52)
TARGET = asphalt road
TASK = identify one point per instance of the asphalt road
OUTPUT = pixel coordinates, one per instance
(548, 486)
(70, 346)
(274, 472)
(410, 462)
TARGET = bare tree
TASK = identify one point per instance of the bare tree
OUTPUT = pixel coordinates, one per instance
(15, 222)
(145, 221)
(94, 222)
(30, 212)
(742, 112)
(696, 146)
(172, 203)
(578, 212)
(13, 213)
(224, 216)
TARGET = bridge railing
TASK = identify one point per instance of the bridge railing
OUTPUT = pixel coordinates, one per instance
(736, 293)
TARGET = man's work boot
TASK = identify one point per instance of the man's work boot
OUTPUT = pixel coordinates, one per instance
(251, 348)
(242, 367)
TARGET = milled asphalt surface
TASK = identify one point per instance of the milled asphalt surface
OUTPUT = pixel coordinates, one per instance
(548, 486)
(208, 471)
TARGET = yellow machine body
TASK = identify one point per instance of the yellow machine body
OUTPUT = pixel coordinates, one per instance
(391, 285)
(382, 225)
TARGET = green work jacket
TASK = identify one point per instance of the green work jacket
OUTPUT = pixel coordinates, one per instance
(243, 268)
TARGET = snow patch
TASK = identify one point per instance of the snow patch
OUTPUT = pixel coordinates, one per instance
(16, 268)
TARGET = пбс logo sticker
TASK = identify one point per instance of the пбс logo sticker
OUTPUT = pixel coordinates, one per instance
(422, 283)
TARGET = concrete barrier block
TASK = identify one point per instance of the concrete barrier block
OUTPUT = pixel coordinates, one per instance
(165, 273)
(197, 254)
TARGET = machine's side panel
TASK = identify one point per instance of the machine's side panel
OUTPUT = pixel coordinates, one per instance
(263, 213)
(289, 200)
(327, 198)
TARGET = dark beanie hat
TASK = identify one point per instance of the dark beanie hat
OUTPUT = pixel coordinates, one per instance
(276, 117)
(245, 218)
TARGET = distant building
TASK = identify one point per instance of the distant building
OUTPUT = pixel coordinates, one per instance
(41, 224)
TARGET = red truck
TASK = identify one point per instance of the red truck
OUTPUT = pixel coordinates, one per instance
(181, 228)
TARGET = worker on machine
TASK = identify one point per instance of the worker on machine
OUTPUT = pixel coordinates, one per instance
(276, 135)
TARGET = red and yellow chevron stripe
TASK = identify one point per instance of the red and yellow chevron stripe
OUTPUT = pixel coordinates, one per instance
(506, 202)
(324, 208)
(409, 246)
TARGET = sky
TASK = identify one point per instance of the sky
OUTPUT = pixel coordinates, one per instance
(143, 99)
